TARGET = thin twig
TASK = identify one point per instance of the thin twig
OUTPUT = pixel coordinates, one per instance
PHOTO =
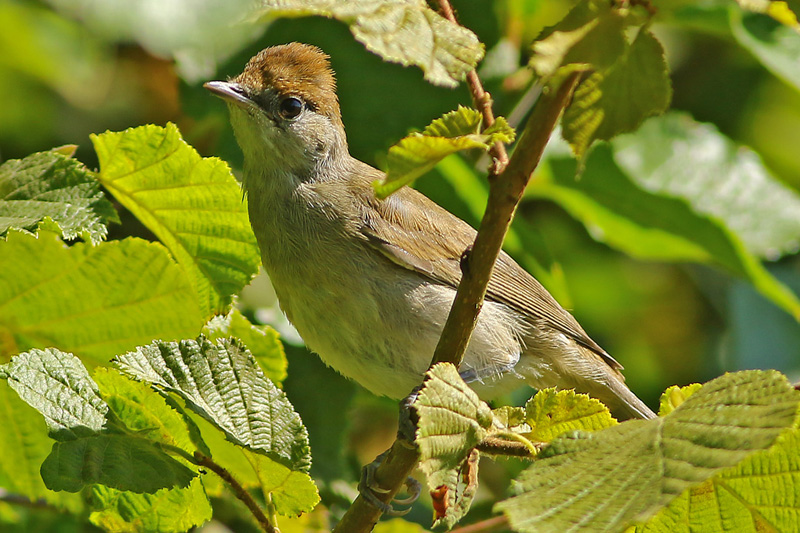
(482, 101)
(496, 523)
(513, 448)
(240, 492)
(505, 193)
(22, 500)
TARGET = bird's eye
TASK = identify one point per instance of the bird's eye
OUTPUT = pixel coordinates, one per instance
(290, 107)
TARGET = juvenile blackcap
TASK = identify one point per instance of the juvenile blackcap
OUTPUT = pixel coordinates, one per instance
(368, 283)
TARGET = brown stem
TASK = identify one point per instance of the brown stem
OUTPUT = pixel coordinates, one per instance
(481, 99)
(238, 490)
(497, 523)
(495, 446)
(505, 192)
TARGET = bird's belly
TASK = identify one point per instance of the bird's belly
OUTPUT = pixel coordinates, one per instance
(380, 328)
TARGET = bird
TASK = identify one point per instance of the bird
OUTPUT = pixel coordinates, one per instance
(367, 282)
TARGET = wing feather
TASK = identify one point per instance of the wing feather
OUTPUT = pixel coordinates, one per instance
(416, 233)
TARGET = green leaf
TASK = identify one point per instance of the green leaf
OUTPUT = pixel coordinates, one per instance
(677, 157)
(116, 461)
(292, 492)
(198, 36)
(603, 481)
(759, 494)
(193, 205)
(58, 386)
(573, 42)
(89, 448)
(24, 445)
(172, 510)
(221, 382)
(552, 413)
(452, 421)
(52, 186)
(93, 301)
(509, 417)
(262, 341)
(143, 411)
(650, 226)
(775, 45)
(418, 153)
(674, 396)
(618, 99)
(401, 31)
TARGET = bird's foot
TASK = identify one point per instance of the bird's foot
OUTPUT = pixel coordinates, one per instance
(368, 488)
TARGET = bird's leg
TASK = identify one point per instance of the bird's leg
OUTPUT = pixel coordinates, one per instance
(406, 433)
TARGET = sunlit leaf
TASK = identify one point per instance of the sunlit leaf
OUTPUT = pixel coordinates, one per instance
(402, 31)
(618, 99)
(674, 396)
(171, 510)
(93, 301)
(418, 153)
(194, 205)
(602, 481)
(53, 186)
(676, 157)
(759, 494)
(452, 421)
(551, 413)
(262, 341)
(58, 386)
(221, 381)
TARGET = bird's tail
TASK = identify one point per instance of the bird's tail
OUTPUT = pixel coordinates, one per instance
(628, 405)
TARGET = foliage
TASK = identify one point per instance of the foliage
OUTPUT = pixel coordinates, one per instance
(406, 31)
(417, 154)
(51, 188)
(137, 397)
(193, 205)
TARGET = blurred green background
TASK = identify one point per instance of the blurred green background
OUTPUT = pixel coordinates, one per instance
(68, 70)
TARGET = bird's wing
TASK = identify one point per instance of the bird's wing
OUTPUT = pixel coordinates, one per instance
(414, 232)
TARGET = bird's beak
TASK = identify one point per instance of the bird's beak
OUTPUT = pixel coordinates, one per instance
(230, 92)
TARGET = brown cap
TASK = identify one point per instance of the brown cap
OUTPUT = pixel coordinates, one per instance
(294, 69)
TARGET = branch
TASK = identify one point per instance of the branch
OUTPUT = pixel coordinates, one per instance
(505, 193)
(482, 101)
(507, 182)
(390, 475)
(496, 523)
(240, 492)
(500, 446)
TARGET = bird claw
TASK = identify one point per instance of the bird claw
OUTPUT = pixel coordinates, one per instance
(368, 487)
